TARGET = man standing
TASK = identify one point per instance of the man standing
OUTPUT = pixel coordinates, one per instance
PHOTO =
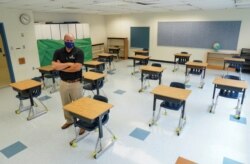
(68, 61)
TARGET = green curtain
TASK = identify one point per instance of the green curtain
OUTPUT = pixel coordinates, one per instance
(47, 47)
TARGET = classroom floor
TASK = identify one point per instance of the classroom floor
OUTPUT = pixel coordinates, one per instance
(206, 139)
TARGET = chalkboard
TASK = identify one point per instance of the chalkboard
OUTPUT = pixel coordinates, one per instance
(139, 37)
(200, 34)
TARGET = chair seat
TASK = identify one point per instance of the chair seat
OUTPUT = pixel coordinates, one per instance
(229, 94)
(153, 77)
(171, 105)
(89, 86)
(23, 96)
(91, 126)
(195, 71)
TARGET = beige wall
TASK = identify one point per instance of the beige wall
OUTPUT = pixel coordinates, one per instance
(21, 42)
(119, 26)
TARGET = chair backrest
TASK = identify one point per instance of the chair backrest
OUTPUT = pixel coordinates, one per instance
(37, 90)
(198, 61)
(177, 85)
(233, 77)
(156, 64)
(101, 98)
(184, 52)
(105, 116)
(100, 82)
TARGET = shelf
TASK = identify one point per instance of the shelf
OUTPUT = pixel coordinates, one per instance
(215, 60)
(121, 43)
(97, 49)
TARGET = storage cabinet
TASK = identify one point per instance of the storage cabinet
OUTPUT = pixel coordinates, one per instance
(215, 60)
(97, 49)
(122, 43)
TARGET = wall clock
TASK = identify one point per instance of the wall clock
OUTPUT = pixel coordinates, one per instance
(25, 18)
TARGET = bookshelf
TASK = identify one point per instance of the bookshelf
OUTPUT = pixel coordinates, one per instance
(122, 43)
(97, 49)
(215, 60)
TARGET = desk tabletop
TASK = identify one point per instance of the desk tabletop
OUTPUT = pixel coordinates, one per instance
(140, 51)
(197, 64)
(25, 84)
(230, 82)
(105, 55)
(93, 75)
(140, 57)
(151, 68)
(171, 92)
(46, 68)
(93, 62)
(234, 59)
(88, 108)
(181, 160)
(182, 55)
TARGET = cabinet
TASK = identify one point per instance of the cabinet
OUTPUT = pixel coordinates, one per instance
(97, 49)
(215, 60)
(122, 43)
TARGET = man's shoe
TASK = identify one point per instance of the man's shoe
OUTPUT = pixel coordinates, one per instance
(81, 131)
(66, 125)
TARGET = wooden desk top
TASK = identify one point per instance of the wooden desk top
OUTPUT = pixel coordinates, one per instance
(93, 75)
(46, 68)
(234, 59)
(140, 57)
(92, 62)
(182, 55)
(151, 68)
(88, 108)
(197, 64)
(230, 82)
(25, 84)
(105, 55)
(181, 160)
(140, 51)
(171, 92)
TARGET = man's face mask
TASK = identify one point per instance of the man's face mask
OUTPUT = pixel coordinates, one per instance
(69, 44)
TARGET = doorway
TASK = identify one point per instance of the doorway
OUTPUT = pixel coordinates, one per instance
(6, 71)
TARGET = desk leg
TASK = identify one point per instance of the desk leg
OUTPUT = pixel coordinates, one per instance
(53, 89)
(97, 87)
(175, 69)
(213, 105)
(186, 76)
(182, 120)
(160, 78)
(43, 81)
(202, 83)
(238, 109)
(140, 90)
(99, 149)
(153, 122)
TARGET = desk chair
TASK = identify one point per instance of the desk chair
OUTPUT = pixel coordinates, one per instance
(236, 66)
(106, 61)
(115, 52)
(54, 83)
(180, 60)
(174, 105)
(92, 126)
(36, 92)
(153, 76)
(196, 71)
(91, 86)
(227, 93)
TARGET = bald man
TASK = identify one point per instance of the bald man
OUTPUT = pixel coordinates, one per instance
(68, 61)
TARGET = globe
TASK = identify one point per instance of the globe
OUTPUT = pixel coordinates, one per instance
(216, 46)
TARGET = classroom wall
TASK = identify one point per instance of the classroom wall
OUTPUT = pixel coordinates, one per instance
(21, 42)
(119, 26)
(96, 23)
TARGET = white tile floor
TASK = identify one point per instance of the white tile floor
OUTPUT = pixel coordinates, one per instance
(206, 139)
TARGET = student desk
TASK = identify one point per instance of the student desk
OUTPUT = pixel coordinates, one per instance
(196, 65)
(93, 64)
(234, 85)
(162, 92)
(150, 70)
(138, 58)
(236, 61)
(141, 52)
(94, 78)
(107, 56)
(89, 110)
(48, 70)
(178, 57)
(24, 87)
(114, 51)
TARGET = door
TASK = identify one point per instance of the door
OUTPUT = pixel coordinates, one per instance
(6, 72)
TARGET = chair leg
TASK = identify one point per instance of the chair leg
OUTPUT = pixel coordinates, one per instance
(201, 82)
(112, 134)
(45, 107)
(21, 107)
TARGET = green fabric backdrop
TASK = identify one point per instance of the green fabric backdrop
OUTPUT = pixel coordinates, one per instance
(47, 47)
